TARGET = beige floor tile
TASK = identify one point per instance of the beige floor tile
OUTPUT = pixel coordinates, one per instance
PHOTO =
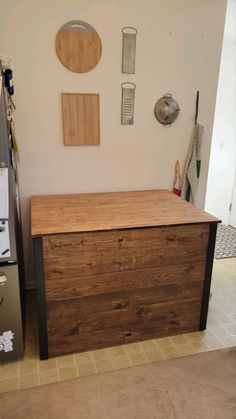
(229, 308)
(48, 377)
(220, 331)
(169, 353)
(219, 302)
(231, 300)
(212, 321)
(28, 367)
(164, 343)
(208, 334)
(223, 318)
(194, 336)
(83, 358)
(229, 341)
(153, 356)
(233, 316)
(179, 339)
(138, 359)
(104, 365)
(231, 329)
(186, 349)
(121, 362)
(28, 381)
(9, 370)
(200, 346)
(133, 348)
(86, 369)
(47, 365)
(117, 351)
(214, 343)
(101, 354)
(65, 361)
(8, 385)
(216, 305)
(67, 373)
(149, 345)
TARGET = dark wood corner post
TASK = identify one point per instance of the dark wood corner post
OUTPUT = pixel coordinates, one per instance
(208, 274)
(41, 302)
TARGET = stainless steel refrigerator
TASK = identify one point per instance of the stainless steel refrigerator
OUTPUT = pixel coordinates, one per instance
(11, 260)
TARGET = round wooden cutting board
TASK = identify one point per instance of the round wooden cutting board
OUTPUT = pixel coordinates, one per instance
(78, 46)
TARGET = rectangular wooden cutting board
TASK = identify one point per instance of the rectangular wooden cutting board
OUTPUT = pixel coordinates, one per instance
(80, 117)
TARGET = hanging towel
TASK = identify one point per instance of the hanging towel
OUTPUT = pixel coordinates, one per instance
(6, 61)
(191, 173)
(192, 165)
(176, 182)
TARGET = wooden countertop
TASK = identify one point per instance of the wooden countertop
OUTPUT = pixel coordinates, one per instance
(52, 214)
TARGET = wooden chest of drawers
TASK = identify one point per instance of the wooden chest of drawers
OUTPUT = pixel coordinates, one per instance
(115, 268)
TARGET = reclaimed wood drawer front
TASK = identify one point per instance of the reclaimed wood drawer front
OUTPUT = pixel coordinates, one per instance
(87, 321)
(74, 255)
(74, 326)
(60, 288)
(118, 307)
(113, 287)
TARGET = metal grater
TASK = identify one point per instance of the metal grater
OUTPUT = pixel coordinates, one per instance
(128, 50)
(127, 103)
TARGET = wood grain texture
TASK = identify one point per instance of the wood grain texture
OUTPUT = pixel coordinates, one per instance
(112, 287)
(52, 214)
(100, 311)
(78, 51)
(62, 286)
(80, 117)
(138, 321)
(79, 254)
(120, 267)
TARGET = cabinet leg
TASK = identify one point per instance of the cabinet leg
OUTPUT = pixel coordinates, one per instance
(41, 303)
(208, 274)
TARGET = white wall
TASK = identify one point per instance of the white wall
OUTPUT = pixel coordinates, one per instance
(223, 150)
(178, 52)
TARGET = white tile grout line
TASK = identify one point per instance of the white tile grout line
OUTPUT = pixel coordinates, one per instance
(96, 371)
(38, 372)
(148, 362)
(127, 354)
(113, 369)
(76, 366)
(95, 361)
(57, 369)
(18, 384)
(142, 351)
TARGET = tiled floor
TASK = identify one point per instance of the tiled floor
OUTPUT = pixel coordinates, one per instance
(220, 333)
